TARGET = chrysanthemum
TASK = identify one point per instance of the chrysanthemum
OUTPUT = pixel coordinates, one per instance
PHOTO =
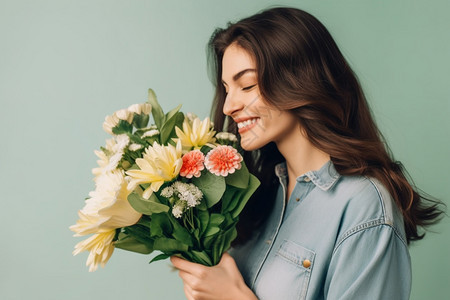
(111, 155)
(100, 247)
(158, 165)
(223, 160)
(192, 164)
(112, 121)
(195, 133)
(106, 210)
(108, 207)
(142, 108)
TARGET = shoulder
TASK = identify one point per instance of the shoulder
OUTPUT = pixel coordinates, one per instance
(366, 203)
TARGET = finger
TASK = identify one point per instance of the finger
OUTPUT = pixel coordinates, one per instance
(187, 266)
(194, 283)
(188, 293)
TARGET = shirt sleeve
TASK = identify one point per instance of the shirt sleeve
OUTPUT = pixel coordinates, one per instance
(371, 262)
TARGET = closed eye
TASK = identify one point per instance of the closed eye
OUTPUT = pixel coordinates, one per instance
(248, 87)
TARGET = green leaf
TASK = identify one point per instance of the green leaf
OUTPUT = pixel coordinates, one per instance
(230, 199)
(146, 207)
(130, 243)
(239, 178)
(212, 187)
(167, 129)
(180, 233)
(203, 217)
(202, 257)
(157, 112)
(160, 225)
(122, 127)
(211, 230)
(216, 219)
(172, 113)
(252, 186)
(164, 244)
(159, 257)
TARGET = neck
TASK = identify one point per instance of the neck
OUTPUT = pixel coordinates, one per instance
(300, 155)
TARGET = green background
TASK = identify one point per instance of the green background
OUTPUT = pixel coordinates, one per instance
(65, 65)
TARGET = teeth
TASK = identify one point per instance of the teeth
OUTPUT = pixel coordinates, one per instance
(246, 123)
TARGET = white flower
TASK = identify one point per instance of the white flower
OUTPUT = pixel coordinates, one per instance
(187, 192)
(167, 192)
(125, 115)
(106, 210)
(116, 148)
(143, 108)
(135, 147)
(102, 163)
(109, 123)
(100, 247)
(108, 207)
(150, 133)
(177, 210)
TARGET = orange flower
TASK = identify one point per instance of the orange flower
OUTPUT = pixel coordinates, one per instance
(223, 160)
(192, 164)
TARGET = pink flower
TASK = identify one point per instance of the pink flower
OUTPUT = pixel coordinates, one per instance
(223, 160)
(192, 164)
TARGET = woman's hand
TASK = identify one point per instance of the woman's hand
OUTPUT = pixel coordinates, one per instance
(223, 281)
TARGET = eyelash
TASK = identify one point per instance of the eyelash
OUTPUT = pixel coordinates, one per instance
(248, 87)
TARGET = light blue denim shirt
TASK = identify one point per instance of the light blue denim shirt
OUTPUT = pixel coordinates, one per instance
(338, 237)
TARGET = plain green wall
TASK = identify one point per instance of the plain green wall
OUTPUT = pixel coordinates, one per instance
(65, 65)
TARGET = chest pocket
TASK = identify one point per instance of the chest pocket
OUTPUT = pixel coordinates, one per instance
(286, 275)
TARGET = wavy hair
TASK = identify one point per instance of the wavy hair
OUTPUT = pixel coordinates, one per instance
(301, 69)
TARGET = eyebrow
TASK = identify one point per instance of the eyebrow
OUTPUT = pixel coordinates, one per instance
(240, 74)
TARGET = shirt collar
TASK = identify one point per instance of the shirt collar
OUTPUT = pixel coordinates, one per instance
(324, 178)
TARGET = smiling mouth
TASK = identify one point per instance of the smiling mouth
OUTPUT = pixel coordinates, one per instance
(246, 125)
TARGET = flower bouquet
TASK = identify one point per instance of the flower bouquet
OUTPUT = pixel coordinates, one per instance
(176, 186)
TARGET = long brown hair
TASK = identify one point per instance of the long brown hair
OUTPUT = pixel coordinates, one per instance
(301, 69)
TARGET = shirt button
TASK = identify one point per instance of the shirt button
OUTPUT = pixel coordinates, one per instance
(307, 263)
(297, 199)
(307, 179)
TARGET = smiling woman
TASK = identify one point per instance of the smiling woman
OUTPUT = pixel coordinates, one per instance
(334, 214)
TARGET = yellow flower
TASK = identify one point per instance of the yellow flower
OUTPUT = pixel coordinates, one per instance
(108, 207)
(158, 165)
(195, 133)
(100, 247)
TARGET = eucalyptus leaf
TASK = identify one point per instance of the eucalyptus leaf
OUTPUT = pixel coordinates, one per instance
(212, 187)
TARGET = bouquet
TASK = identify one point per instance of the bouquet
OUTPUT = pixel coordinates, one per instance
(176, 186)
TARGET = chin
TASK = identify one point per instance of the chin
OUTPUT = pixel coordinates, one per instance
(251, 145)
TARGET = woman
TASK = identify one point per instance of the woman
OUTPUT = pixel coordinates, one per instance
(334, 214)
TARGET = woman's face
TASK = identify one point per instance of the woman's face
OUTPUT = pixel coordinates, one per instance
(258, 122)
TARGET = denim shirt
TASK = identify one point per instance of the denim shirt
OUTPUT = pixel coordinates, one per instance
(338, 237)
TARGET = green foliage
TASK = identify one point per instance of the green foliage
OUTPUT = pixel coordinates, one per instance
(145, 206)
(202, 233)
(212, 187)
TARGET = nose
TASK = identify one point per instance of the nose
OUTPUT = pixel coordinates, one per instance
(232, 104)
